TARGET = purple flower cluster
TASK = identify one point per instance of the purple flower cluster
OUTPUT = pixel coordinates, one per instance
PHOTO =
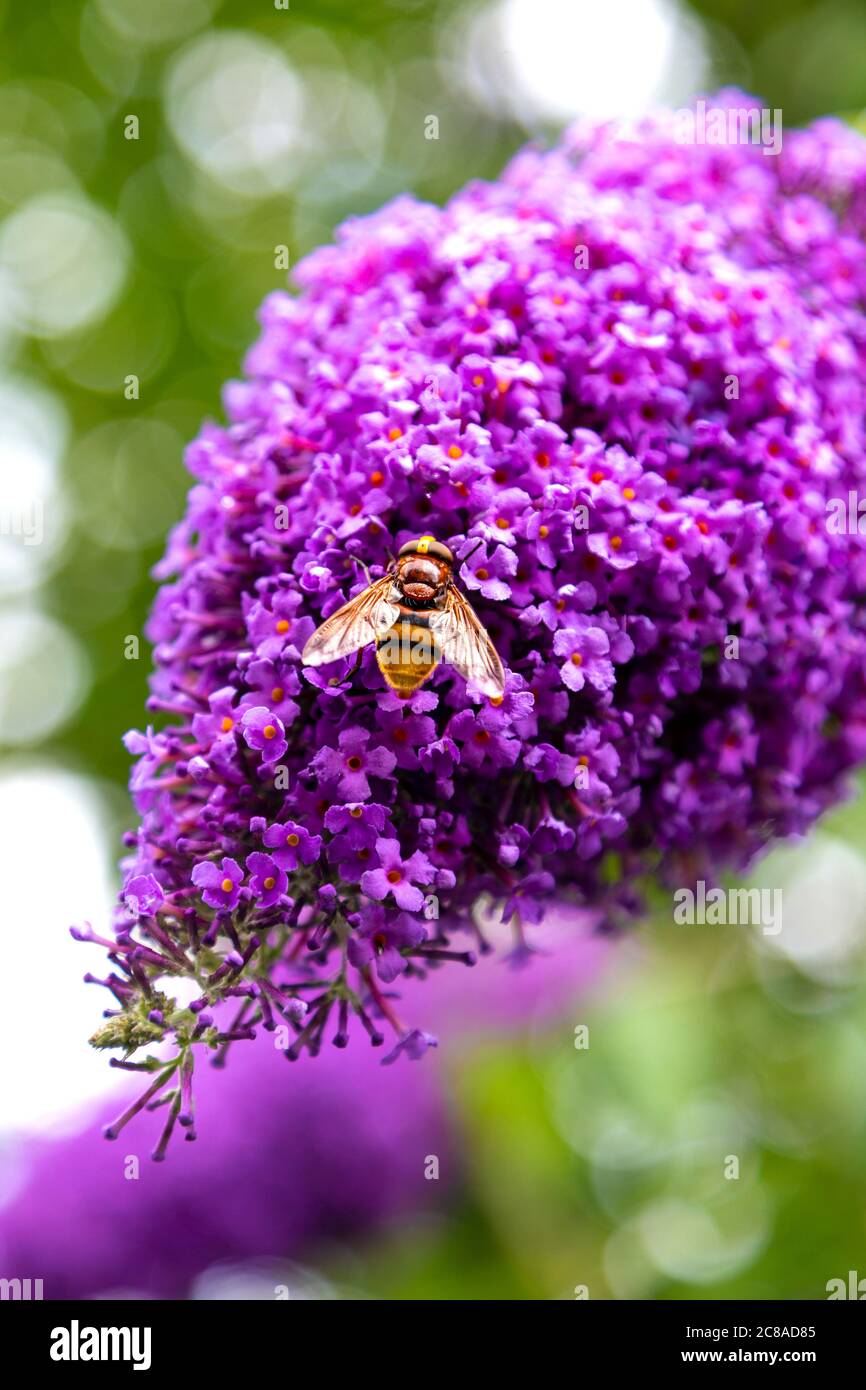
(631, 372)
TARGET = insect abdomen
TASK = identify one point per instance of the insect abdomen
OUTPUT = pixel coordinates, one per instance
(408, 653)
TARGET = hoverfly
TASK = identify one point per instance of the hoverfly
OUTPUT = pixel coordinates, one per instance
(417, 617)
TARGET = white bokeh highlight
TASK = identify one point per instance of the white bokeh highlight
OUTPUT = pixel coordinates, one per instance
(542, 60)
(54, 842)
(34, 429)
(64, 263)
(44, 675)
(234, 105)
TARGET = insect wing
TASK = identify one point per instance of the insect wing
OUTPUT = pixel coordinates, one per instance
(358, 623)
(466, 646)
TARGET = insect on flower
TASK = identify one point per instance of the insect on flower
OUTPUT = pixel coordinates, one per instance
(417, 617)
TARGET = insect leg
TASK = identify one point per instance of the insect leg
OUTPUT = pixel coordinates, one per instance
(365, 568)
(463, 558)
(350, 675)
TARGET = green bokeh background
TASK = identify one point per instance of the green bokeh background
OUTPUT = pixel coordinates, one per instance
(604, 1167)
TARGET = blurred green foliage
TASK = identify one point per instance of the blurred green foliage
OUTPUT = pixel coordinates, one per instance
(603, 1167)
(610, 1167)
